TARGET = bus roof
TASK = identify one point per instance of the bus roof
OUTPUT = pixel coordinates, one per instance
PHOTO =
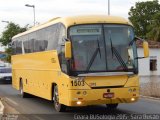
(75, 20)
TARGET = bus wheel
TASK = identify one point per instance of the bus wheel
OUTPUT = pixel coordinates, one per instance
(22, 93)
(58, 107)
(112, 106)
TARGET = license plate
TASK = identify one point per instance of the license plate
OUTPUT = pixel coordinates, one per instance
(108, 95)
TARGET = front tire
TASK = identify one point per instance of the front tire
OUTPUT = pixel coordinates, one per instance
(112, 106)
(58, 107)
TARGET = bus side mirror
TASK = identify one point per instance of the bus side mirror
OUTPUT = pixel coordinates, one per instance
(68, 52)
(146, 49)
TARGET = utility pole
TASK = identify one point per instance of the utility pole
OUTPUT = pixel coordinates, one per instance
(108, 7)
(34, 16)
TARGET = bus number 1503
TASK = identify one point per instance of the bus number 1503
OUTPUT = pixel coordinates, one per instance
(77, 83)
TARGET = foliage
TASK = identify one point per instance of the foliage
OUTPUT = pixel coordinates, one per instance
(154, 28)
(11, 30)
(142, 16)
(8, 52)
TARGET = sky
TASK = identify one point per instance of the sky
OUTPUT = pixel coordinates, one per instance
(16, 11)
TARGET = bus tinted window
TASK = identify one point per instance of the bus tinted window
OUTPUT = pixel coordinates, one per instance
(18, 47)
(25, 43)
(31, 39)
(13, 48)
(62, 34)
(51, 37)
(41, 40)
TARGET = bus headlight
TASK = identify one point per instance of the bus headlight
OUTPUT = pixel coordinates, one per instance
(79, 102)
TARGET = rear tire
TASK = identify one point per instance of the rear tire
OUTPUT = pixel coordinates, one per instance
(58, 107)
(112, 106)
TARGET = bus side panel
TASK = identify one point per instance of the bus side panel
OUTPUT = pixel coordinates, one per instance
(15, 81)
(38, 71)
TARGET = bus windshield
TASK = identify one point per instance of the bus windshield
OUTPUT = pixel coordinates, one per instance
(103, 48)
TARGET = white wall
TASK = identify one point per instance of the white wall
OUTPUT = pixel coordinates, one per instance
(144, 64)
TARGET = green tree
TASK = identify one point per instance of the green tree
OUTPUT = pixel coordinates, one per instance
(11, 30)
(154, 28)
(142, 16)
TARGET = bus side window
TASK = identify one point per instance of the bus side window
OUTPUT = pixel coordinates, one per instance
(13, 48)
(31, 40)
(25, 43)
(52, 37)
(18, 47)
(62, 34)
(62, 60)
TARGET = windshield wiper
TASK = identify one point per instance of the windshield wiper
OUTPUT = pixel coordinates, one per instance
(99, 50)
(118, 56)
(94, 56)
(111, 45)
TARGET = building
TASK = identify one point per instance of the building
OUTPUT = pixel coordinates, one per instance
(149, 66)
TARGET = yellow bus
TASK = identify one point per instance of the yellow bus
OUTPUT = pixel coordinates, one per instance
(78, 61)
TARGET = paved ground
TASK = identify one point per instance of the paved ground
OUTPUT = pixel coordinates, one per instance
(40, 109)
(150, 86)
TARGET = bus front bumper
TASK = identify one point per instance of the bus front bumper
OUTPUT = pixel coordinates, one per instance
(96, 96)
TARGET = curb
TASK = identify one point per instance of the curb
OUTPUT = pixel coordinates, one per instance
(148, 97)
(1, 109)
